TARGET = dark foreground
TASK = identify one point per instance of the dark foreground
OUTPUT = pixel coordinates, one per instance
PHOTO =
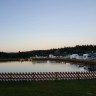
(49, 88)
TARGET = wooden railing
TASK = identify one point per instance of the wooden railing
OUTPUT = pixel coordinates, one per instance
(42, 76)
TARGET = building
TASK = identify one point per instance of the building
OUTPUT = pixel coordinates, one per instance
(89, 56)
(52, 56)
(74, 56)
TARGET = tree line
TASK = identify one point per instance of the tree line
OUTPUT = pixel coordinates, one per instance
(78, 49)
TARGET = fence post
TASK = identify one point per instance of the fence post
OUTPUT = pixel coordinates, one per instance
(56, 75)
(78, 77)
(9, 79)
(33, 76)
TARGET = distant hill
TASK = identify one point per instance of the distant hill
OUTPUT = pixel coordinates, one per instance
(57, 52)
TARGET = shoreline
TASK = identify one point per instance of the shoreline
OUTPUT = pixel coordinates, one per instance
(55, 59)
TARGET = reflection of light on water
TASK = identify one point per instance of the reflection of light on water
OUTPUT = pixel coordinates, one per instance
(48, 61)
(40, 66)
(38, 61)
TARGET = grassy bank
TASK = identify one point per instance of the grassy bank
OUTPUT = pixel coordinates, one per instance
(49, 88)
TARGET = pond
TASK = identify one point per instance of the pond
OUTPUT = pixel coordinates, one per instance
(40, 66)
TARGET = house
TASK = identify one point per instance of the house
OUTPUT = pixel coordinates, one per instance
(74, 56)
(89, 56)
(94, 56)
(80, 56)
(67, 56)
(52, 56)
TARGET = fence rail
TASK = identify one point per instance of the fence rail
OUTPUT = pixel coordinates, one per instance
(42, 76)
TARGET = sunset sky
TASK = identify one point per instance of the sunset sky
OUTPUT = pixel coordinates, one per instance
(44, 24)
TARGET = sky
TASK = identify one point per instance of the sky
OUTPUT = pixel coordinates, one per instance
(27, 25)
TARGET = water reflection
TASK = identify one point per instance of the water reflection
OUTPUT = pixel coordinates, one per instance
(52, 61)
(87, 67)
(38, 61)
(44, 66)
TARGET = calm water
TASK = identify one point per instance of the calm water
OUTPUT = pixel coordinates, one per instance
(39, 66)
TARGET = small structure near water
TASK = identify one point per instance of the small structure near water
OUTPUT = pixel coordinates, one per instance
(88, 56)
